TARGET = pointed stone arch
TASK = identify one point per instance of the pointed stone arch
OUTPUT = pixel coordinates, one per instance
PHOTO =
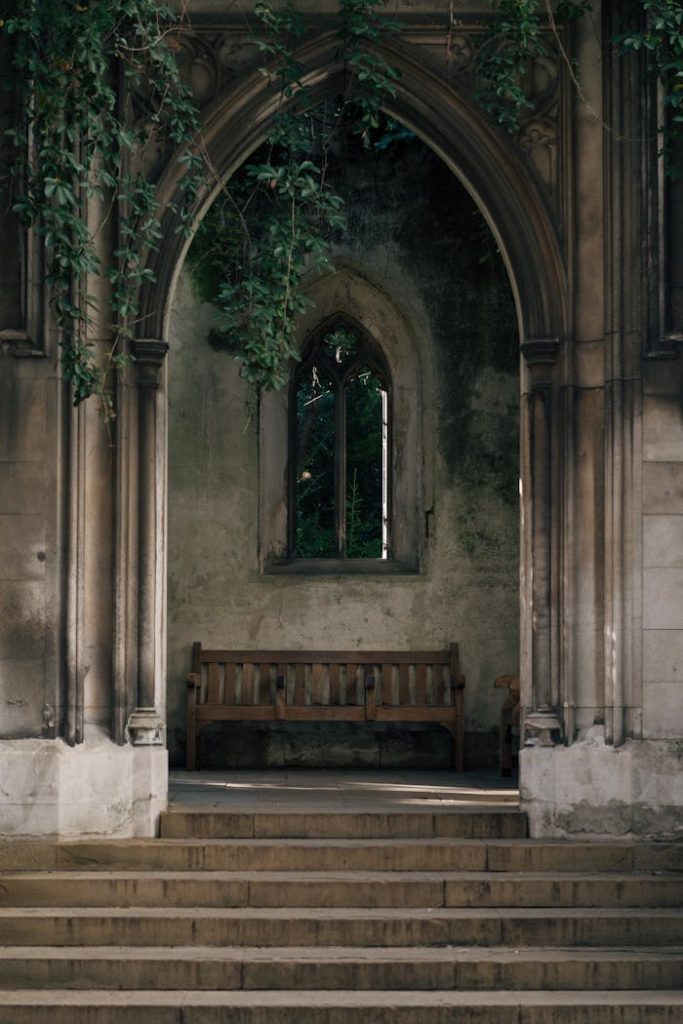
(507, 191)
(502, 184)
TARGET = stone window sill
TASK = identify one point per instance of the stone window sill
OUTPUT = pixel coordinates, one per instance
(339, 567)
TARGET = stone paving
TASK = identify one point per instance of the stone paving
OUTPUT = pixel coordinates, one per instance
(300, 791)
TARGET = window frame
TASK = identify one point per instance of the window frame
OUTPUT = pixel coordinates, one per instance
(371, 355)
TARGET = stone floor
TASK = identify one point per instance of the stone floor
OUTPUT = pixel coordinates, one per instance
(299, 791)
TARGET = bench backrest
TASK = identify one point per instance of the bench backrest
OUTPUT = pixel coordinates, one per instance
(327, 678)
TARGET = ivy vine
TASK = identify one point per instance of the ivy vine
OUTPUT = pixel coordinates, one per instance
(277, 218)
(662, 40)
(98, 86)
(516, 38)
(76, 137)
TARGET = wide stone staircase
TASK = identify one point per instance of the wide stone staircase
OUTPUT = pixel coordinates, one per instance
(422, 917)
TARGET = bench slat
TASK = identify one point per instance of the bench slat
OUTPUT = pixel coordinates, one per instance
(300, 685)
(263, 696)
(421, 685)
(330, 657)
(351, 686)
(213, 684)
(404, 685)
(230, 685)
(415, 714)
(247, 683)
(309, 713)
(239, 713)
(335, 690)
(438, 689)
(386, 694)
(317, 671)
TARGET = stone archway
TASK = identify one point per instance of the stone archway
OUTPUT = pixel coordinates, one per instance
(506, 191)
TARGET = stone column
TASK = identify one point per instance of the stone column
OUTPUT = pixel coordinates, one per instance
(145, 725)
(542, 720)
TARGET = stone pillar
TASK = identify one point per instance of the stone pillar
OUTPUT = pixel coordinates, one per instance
(542, 722)
(145, 725)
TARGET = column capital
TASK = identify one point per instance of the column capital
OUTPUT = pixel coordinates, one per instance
(149, 355)
(541, 351)
(540, 355)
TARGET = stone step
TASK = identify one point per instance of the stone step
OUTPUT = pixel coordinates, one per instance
(401, 1007)
(341, 854)
(337, 889)
(301, 969)
(499, 823)
(273, 926)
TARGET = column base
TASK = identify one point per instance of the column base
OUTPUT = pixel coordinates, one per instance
(596, 790)
(542, 724)
(145, 728)
(94, 789)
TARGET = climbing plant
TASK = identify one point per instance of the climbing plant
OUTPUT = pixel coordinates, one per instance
(517, 36)
(277, 217)
(514, 40)
(80, 70)
(96, 84)
(661, 38)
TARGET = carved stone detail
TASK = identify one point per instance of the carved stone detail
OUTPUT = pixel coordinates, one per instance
(29, 340)
(212, 56)
(542, 723)
(145, 728)
(149, 355)
(541, 351)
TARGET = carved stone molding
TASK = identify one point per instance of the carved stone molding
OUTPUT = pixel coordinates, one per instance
(146, 728)
(542, 723)
(149, 355)
(541, 356)
(541, 351)
(21, 344)
(669, 347)
(214, 55)
(29, 339)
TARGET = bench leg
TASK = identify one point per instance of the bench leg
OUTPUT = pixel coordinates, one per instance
(457, 746)
(191, 752)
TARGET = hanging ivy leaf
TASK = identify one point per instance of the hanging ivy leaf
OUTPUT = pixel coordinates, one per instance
(74, 141)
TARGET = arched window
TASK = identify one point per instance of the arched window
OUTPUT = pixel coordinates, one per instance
(340, 447)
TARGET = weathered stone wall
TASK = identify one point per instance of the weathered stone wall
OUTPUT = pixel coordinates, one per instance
(604, 524)
(662, 541)
(417, 235)
(24, 474)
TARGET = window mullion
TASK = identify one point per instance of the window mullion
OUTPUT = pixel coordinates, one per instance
(340, 468)
(293, 451)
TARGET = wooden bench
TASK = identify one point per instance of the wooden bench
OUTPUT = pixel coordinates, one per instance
(325, 686)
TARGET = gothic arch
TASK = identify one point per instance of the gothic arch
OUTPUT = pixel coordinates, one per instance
(508, 193)
(501, 184)
(350, 296)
